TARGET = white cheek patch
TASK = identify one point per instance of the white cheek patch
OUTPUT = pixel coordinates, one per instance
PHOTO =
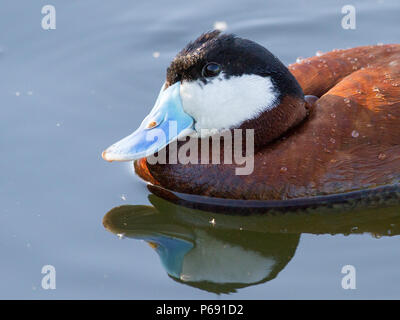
(226, 103)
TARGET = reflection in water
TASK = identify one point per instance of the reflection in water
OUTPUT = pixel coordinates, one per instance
(221, 253)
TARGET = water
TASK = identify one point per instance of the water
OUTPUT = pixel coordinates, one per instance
(68, 93)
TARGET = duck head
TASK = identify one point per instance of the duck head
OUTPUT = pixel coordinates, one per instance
(218, 82)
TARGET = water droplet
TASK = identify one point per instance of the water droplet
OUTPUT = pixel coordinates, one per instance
(220, 25)
(382, 156)
(185, 277)
(355, 134)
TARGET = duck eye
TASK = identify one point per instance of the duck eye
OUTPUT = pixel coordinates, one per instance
(211, 69)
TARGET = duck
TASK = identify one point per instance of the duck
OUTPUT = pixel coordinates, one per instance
(324, 126)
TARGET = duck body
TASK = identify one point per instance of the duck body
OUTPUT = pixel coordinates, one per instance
(346, 140)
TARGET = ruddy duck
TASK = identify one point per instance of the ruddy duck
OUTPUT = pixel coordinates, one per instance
(326, 125)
